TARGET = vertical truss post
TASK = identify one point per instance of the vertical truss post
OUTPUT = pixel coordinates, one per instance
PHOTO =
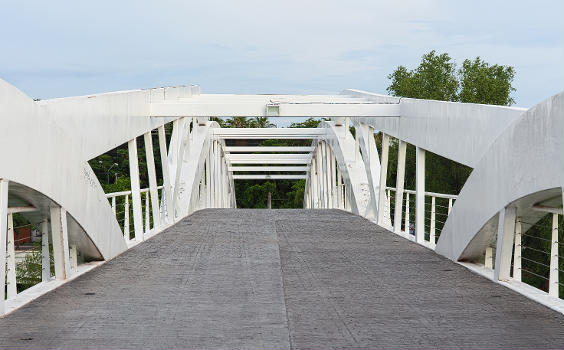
(183, 149)
(383, 175)
(45, 258)
(3, 236)
(340, 204)
(400, 178)
(147, 213)
(333, 181)
(217, 177)
(319, 159)
(433, 223)
(135, 189)
(504, 248)
(148, 138)
(420, 195)
(324, 173)
(167, 195)
(406, 223)
(126, 218)
(59, 231)
(553, 277)
(517, 252)
(208, 178)
(11, 259)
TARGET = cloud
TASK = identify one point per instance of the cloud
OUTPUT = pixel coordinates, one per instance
(53, 49)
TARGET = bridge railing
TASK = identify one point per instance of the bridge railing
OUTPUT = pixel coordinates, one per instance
(437, 209)
(122, 209)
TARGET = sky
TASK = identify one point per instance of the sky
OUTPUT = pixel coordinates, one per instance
(65, 48)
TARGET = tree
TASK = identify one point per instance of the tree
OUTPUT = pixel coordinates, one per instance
(434, 79)
(484, 83)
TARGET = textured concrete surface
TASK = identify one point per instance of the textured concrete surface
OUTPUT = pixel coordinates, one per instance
(281, 279)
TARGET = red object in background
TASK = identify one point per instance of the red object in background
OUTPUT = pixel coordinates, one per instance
(22, 235)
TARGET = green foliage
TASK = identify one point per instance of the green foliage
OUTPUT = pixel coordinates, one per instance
(29, 270)
(436, 78)
(484, 83)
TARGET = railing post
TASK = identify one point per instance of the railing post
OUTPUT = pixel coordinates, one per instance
(319, 167)
(114, 205)
(383, 175)
(340, 203)
(504, 248)
(553, 277)
(406, 222)
(333, 181)
(400, 178)
(59, 231)
(126, 218)
(517, 252)
(433, 223)
(45, 259)
(449, 206)
(135, 189)
(147, 216)
(148, 138)
(420, 195)
(3, 236)
(314, 189)
(208, 179)
(166, 173)
(11, 259)
(328, 176)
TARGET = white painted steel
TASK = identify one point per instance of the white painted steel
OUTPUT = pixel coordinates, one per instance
(268, 168)
(269, 177)
(282, 149)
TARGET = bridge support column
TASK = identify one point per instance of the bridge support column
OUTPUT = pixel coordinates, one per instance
(3, 235)
(59, 230)
(319, 179)
(333, 181)
(208, 180)
(517, 252)
(553, 280)
(11, 259)
(504, 248)
(420, 196)
(152, 179)
(400, 178)
(166, 175)
(382, 199)
(340, 204)
(45, 259)
(135, 190)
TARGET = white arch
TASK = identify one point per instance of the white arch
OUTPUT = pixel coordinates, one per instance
(527, 158)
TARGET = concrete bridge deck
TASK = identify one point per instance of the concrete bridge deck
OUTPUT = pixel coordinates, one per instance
(281, 279)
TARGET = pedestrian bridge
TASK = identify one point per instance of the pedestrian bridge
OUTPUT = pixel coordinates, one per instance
(483, 268)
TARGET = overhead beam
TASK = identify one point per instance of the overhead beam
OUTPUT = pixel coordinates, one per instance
(268, 168)
(249, 149)
(268, 177)
(268, 133)
(241, 108)
(272, 161)
(13, 210)
(235, 157)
